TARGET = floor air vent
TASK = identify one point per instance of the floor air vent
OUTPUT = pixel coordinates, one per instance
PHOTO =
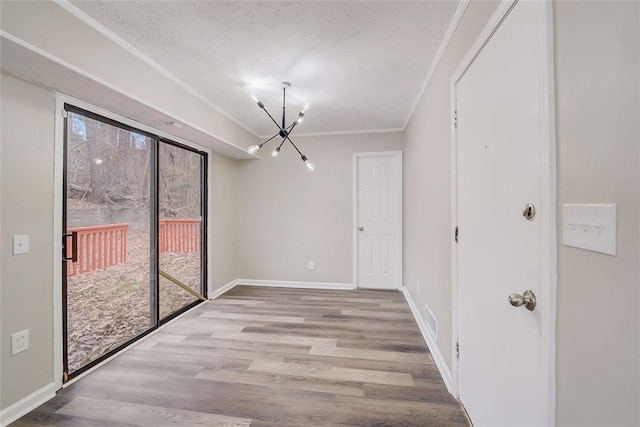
(432, 323)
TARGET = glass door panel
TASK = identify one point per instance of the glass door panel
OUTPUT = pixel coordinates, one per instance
(107, 217)
(180, 172)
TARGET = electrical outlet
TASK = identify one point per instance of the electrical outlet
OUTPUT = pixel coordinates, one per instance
(311, 265)
(19, 342)
(418, 287)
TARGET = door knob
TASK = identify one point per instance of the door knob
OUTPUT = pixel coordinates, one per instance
(528, 299)
(361, 228)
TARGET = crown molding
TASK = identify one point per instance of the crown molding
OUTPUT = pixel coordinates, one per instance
(346, 132)
(80, 72)
(462, 7)
(65, 4)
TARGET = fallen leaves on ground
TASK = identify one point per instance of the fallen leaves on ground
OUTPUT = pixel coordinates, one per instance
(108, 307)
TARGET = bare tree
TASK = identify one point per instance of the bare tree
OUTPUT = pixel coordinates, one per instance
(110, 166)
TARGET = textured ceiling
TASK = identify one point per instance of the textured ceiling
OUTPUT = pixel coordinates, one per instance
(360, 64)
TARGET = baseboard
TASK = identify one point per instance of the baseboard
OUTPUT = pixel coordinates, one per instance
(303, 285)
(431, 342)
(221, 290)
(27, 404)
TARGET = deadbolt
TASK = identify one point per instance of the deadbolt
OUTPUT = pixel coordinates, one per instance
(528, 299)
(529, 211)
(361, 228)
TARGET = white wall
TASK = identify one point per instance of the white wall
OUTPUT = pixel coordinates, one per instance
(597, 89)
(224, 227)
(289, 216)
(26, 188)
(26, 291)
(427, 202)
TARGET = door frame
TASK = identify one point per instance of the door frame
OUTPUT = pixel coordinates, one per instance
(397, 154)
(58, 206)
(547, 212)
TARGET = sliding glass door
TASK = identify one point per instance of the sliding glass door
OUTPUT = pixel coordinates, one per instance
(134, 244)
(180, 227)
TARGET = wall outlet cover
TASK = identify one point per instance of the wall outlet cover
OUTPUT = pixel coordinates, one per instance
(19, 342)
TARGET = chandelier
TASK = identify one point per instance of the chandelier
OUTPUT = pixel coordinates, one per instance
(283, 131)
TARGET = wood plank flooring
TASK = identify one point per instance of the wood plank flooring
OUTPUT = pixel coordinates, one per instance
(269, 357)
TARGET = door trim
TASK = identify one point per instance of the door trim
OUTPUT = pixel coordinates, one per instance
(58, 206)
(398, 155)
(548, 196)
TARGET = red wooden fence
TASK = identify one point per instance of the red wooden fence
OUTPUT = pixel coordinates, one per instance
(179, 235)
(99, 246)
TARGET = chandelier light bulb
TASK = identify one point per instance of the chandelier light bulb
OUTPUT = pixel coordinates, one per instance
(300, 120)
(253, 149)
(257, 101)
(307, 163)
(305, 108)
(275, 152)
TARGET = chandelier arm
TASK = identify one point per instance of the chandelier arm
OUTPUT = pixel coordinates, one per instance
(294, 145)
(272, 119)
(269, 139)
(282, 142)
(284, 103)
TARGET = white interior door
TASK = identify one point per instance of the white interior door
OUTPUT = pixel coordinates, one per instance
(500, 141)
(378, 220)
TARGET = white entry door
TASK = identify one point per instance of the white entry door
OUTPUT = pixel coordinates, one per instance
(503, 177)
(378, 220)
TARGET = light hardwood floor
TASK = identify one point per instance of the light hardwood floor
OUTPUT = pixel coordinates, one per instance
(269, 357)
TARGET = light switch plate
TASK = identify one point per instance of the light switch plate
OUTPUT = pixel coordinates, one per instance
(20, 244)
(590, 226)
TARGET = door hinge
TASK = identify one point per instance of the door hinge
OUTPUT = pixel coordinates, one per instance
(65, 114)
(65, 377)
(457, 350)
(455, 234)
(455, 119)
